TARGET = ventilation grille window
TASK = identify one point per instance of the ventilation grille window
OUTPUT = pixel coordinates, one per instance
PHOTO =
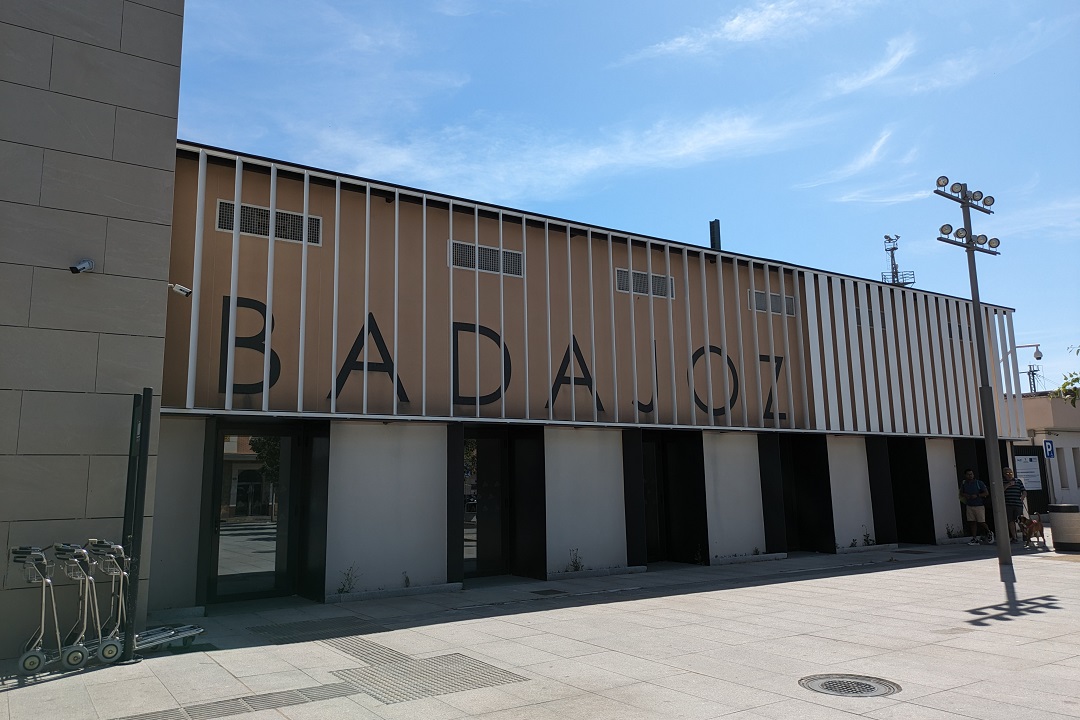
(659, 285)
(774, 303)
(255, 220)
(465, 256)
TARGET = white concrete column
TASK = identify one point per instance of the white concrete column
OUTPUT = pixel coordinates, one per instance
(584, 490)
(386, 505)
(733, 494)
(944, 492)
(853, 511)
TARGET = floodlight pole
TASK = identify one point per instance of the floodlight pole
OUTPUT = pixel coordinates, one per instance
(986, 400)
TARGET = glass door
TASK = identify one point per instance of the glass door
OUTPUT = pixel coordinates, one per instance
(252, 529)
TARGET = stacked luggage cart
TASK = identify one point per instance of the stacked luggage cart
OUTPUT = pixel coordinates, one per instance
(91, 636)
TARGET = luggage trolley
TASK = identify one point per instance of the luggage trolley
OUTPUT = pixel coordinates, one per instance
(39, 570)
(79, 566)
(89, 637)
(111, 560)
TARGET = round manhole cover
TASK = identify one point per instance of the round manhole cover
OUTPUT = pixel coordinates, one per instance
(849, 685)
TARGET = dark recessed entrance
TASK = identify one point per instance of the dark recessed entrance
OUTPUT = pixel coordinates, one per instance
(502, 511)
(264, 511)
(673, 477)
(796, 492)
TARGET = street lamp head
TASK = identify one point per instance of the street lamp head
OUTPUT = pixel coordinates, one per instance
(977, 195)
(942, 181)
(988, 200)
(961, 233)
(946, 229)
(955, 188)
(994, 242)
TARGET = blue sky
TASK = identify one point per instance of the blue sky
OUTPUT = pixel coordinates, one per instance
(810, 128)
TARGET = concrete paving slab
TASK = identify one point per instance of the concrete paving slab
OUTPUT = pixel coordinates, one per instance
(667, 702)
(678, 642)
(130, 697)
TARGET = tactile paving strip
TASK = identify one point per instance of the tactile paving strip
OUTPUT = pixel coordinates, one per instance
(326, 692)
(251, 703)
(416, 679)
(266, 701)
(321, 629)
(219, 709)
(174, 714)
(366, 651)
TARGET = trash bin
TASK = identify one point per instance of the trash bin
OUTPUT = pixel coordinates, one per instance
(1065, 526)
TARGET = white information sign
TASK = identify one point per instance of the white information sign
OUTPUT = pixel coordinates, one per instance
(1027, 469)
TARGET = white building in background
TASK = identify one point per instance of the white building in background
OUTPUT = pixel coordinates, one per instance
(1056, 420)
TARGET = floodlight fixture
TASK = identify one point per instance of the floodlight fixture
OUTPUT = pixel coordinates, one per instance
(964, 237)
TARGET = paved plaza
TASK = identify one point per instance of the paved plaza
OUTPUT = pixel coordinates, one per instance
(679, 641)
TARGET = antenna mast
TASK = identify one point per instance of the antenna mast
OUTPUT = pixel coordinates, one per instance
(896, 276)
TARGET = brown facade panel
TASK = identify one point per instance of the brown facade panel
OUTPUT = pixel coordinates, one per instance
(414, 305)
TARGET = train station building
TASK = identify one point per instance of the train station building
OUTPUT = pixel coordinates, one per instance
(376, 388)
(372, 388)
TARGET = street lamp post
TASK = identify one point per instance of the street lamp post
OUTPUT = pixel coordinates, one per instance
(965, 238)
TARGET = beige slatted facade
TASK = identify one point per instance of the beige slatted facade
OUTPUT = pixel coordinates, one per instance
(374, 320)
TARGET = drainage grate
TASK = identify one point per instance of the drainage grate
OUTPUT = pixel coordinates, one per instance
(550, 591)
(366, 651)
(416, 679)
(849, 685)
(322, 629)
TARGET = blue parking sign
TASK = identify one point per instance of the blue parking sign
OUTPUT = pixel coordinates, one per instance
(1048, 449)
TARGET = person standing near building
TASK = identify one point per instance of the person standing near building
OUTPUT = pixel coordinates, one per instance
(974, 493)
(1015, 494)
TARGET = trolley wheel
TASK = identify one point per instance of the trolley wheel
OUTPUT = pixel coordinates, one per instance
(109, 650)
(31, 662)
(74, 657)
(188, 640)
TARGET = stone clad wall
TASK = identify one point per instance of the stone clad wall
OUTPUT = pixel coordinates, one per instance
(88, 105)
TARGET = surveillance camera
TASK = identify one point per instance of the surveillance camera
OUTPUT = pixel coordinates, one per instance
(82, 266)
(180, 289)
(1038, 354)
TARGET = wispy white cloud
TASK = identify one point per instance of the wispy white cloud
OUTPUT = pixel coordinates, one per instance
(506, 164)
(898, 50)
(863, 161)
(763, 21)
(1054, 220)
(882, 196)
(949, 72)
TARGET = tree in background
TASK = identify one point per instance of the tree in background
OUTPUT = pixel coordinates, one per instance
(267, 449)
(1069, 389)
